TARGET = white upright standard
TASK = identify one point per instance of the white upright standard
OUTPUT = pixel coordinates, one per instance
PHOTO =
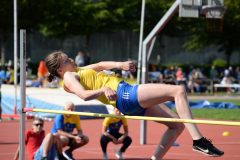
(22, 92)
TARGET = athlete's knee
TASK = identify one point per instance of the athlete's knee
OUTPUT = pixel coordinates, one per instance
(56, 137)
(64, 141)
(86, 139)
(180, 91)
(180, 127)
(103, 140)
(177, 127)
(129, 139)
(49, 136)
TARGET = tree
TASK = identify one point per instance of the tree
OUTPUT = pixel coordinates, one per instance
(78, 17)
(6, 25)
(29, 18)
(227, 40)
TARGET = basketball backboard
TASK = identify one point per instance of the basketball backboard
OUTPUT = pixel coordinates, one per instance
(202, 8)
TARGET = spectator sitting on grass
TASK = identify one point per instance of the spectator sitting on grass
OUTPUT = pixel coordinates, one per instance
(172, 72)
(195, 81)
(127, 74)
(198, 82)
(199, 74)
(53, 84)
(213, 73)
(156, 75)
(168, 79)
(181, 79)
(9, 78)
(237, 73)
(166, 71)
(38, 83)
(231, 72)
(118, 73)
(227, 79)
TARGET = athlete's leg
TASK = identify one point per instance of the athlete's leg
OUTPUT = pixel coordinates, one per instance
(83, 142)
(171, 134)
(64, 141)
(126, 143)
(153, 94)
(104, 142)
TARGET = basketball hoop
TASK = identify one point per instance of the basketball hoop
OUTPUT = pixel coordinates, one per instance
(214, 18)
(212, 10)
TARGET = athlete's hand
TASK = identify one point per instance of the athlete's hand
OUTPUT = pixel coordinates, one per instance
(110, 94)
(120, 140)
(78, 139)
(115, 141)
(127, 66)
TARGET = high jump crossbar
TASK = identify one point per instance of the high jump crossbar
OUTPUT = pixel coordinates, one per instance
(136, 117)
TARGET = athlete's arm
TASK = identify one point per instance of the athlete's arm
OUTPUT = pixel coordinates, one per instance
(71, 81)
(126, 66)
(120, 140)
(62, 133)
(80, 133)
(105, 133)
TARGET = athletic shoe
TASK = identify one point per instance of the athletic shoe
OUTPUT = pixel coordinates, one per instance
(206, 147)
(118, 154)
(105, 157)
(68, 155)
(61, 157)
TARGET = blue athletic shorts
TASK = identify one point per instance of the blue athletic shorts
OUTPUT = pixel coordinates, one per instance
(127, 101)
(52, 153)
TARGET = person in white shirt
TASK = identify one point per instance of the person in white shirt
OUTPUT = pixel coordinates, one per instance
(79, 59)
(126, 74)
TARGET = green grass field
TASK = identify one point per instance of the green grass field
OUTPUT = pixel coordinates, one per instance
(224, 114)
(235, 101)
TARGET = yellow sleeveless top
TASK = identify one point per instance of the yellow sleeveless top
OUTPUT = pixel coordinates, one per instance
(92, 80)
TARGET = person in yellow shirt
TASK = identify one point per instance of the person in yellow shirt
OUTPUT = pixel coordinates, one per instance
(11, 71)
(9, 78)
(90, 83)
(64, 125)
(110, 132)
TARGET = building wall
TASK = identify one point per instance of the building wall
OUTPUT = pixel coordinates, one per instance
(118, 46)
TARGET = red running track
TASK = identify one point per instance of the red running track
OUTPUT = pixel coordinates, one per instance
(9, 138)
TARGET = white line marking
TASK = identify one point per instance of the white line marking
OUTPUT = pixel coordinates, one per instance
(91, 150)
(10, 153)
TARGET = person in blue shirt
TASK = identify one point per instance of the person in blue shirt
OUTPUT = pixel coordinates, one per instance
(64, 125)
(110, 132)
(38, 83)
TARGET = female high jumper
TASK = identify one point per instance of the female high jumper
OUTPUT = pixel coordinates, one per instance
(90, 82)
